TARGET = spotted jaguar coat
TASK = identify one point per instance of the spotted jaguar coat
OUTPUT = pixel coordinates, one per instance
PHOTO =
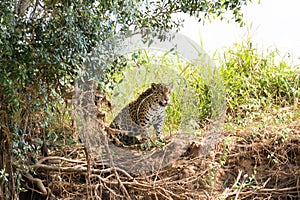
(148, 109)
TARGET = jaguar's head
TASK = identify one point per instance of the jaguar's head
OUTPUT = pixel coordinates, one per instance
(162, 92)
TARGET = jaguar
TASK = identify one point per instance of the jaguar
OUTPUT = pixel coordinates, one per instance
(135, 119)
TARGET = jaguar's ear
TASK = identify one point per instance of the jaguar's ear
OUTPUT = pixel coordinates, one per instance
(153, 86)
(170, 85)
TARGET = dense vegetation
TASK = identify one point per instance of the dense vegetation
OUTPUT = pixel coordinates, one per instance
(260, 135)
(44, 45)
(255, 84)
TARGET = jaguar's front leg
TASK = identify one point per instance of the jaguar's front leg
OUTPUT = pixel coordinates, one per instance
(159, 130)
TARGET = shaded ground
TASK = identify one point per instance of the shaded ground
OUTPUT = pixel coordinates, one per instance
(250, 164)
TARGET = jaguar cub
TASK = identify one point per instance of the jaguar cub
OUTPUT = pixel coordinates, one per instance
(148, 109)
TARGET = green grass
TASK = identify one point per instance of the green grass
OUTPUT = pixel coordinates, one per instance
(193, 88)
(257, 86)
(249, 86)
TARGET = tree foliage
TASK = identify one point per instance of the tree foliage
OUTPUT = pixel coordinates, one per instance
(43, 44)
(46, 41)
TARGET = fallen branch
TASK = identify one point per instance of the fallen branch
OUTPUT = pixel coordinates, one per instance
(38, 182)
(78, 169)
(60, 158)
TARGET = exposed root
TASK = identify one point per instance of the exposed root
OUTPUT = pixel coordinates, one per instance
(252, 164)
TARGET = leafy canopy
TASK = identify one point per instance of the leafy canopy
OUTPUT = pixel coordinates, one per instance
(43, 43)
